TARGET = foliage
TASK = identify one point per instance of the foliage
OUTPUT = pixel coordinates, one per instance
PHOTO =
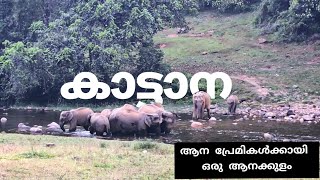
(229, 6)
(290, 20)
(103, 37)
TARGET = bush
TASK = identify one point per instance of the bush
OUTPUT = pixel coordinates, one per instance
(229, 6)
(294, 20)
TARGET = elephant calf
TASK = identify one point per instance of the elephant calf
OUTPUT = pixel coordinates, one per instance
(233, 102)
(201, 101)
(75, 117)
(99, 124)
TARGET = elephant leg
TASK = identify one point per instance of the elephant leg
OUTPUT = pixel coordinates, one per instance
(143, 133)
(99, 133)
(194, 112)
(73, 126)
(234, 108)
(202, 113)
(208, 110)
(91, 129)
(158, 131)
(86, 127)
(230, 108)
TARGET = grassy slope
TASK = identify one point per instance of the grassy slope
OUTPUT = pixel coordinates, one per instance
(233, 48)
(26, 157)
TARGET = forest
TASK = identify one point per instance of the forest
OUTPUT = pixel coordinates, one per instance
(46, 43)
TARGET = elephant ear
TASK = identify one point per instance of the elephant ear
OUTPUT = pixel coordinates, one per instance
(167, 115)
(89, 118)
(147, 120)
(69, 115)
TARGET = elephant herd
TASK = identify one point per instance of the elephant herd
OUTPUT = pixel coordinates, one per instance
(125, 120)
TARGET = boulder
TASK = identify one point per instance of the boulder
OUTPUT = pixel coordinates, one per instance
(23, 128)
(290, 112)
(268, 136)
(212, 119)
(3, 120)
(308, 117)
(36, 129)
(53, 125)
(270, 115)
(196, 125)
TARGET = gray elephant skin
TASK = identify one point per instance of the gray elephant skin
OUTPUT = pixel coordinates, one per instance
(127, 120)
(168, 119)
(99, 124)
(75, 117)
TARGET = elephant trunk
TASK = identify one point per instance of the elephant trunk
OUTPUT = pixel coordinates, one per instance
(62, 126)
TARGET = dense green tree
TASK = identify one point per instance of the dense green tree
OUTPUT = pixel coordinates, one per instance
(290, 20)
(103, 37)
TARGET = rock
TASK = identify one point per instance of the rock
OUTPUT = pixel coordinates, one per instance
(295, 86)
(286, 140)
(3, 120)
(282, 114)
(212, 119)
(50, 145)
(268, 136)
(196, 125)
(36, 130)
(287, 118)
(182, 30)
(308, 118)
(270, 115)
(292, 116)
(246, 117)
(23, 128)
(301, 120)
(234, 123)
(53, 125)
(204, 53)
(214, 106)
(262, 40)
(144, 151)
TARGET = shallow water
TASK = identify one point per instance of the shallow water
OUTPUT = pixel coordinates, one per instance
(226, 130)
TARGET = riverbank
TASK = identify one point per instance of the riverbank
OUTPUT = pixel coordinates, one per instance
(295, 111)
(52, 157)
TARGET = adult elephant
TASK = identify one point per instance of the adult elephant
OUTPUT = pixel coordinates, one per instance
(75, 117)
(106, 112)
(127, 120)
(99, 123)
(168, 118)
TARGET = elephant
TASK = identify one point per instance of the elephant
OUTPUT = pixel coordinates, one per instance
(3, 122)
(168, 118)
(201, 101)
(106, 112)
(126, 120)
(99, 124)
(233, 102)
(75, 117)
